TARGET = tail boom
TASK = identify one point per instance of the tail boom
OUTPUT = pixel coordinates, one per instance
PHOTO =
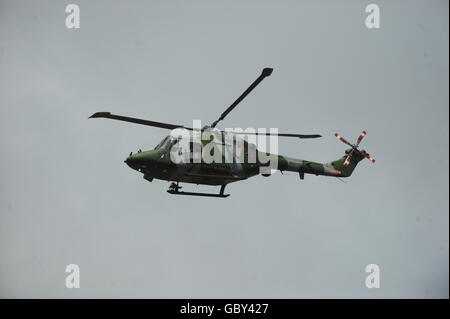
(337, 168)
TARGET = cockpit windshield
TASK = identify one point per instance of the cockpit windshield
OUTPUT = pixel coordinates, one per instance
(163, 143)
(167, 142)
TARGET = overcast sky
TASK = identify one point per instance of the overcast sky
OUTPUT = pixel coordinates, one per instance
(66, 196)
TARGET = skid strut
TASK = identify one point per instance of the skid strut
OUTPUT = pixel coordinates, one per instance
(174, 189)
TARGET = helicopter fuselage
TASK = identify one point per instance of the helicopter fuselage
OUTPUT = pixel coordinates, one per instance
(159, 163)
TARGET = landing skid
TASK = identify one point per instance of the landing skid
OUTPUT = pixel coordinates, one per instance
(175, 190)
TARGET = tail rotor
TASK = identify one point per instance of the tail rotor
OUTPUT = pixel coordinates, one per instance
(355, 148)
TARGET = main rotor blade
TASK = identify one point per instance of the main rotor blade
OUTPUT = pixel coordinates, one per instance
(265, 72)
(276, 134)
(108, 115)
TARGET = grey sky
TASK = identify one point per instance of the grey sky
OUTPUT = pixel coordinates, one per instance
(67, 197)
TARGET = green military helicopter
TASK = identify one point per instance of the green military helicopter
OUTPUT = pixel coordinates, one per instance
(179, 157)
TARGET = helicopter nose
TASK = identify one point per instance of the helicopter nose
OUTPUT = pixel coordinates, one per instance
(130, 160)
(127, 161)
(142, 161)
(137, 161)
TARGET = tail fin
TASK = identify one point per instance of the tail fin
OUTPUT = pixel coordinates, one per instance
(342, 167)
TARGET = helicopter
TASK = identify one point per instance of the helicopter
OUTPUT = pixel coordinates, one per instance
(209, 156)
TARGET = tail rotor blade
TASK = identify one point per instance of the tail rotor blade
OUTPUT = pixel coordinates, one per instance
(340, 138)
(361, 136)
(367, 155)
